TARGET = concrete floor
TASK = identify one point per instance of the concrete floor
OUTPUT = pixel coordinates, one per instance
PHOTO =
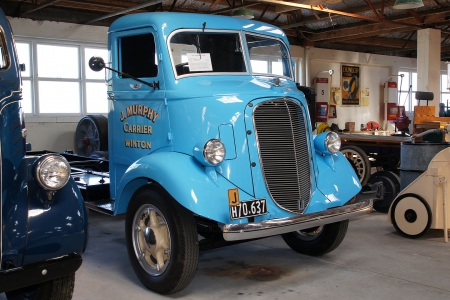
(373, 262)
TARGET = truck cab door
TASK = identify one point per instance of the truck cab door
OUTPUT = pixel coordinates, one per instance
(138, 118)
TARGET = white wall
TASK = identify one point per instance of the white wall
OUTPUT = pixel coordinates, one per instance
(58, 133)
(375, 70)
(51, 136)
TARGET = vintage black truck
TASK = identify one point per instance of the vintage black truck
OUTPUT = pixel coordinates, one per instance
(42, 213)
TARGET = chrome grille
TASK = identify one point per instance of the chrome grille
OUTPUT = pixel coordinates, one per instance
(280, 128)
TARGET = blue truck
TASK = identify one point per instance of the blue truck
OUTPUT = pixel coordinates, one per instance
(42, 213)
(208, 142)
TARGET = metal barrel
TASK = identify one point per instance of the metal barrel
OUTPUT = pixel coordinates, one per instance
(415, 158)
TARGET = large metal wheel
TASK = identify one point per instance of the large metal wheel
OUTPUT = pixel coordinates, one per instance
(91, 135)
(162, 241)
(411, 215)
(361, 162)
(56, 289)
(318, 240)
(391, 185)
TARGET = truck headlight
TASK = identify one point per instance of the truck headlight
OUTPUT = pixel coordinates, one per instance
(52, 171)
(327, 142)
(333, 142)
(210, 153)
(214, 152)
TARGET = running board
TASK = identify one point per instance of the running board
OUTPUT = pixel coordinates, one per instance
(105, 206)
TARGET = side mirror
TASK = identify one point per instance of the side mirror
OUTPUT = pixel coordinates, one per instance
(96, 63)
(22, 67)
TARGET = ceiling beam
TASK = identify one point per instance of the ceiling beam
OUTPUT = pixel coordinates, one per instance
(124, 11)
(224, 10)
(385, 42)
(91, 6)
(361, 31)
(320, 8)
(355, 10)
(40, 6)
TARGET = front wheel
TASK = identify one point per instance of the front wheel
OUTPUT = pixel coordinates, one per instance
(162, 241)
(56, 289)
(318, 240)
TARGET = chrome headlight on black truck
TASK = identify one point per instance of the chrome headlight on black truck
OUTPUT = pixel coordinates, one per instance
(52, 171)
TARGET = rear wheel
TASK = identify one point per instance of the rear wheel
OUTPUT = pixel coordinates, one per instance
(360, 161)
(162, 241)
(56, 289)
(391, 185)
(91, 135)
(318, 240)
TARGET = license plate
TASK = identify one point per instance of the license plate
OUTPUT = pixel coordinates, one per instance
(247, 209)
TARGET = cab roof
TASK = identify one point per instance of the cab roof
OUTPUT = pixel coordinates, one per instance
(166, 22)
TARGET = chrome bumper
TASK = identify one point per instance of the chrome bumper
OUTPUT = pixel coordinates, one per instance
(235, 232)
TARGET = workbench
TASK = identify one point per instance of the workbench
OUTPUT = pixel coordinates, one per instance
(373, 140)
(371, 152)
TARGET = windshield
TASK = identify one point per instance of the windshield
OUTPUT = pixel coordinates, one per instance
(210, 52)
(268, 56)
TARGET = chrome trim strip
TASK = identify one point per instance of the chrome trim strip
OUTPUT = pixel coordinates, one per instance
(10, 95)
(236, 232)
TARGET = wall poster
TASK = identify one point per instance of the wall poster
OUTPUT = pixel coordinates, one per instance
(350, 85)
(365, 96)
(335, 95)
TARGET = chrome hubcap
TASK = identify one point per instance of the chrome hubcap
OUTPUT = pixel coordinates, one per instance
(151, 239)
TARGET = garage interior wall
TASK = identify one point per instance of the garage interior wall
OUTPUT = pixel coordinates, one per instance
(58, 133)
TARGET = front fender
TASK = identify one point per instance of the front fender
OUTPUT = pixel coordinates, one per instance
(57, 226)
(181, 175)
(336, 179)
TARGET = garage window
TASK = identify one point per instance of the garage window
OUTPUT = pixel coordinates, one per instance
(445, 92)
(57, 81)
(407, 88)
(24, 52)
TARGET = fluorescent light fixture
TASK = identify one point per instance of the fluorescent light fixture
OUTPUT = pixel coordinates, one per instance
(407, 4)
(243, 13)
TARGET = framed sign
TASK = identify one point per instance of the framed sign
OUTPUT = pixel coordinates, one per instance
(332, 111)
(351, 94)
(321, 111)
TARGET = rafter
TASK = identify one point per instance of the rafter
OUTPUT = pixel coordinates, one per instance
(121, 12)
(40, 6)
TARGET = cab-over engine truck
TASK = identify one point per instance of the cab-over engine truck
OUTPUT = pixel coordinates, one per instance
(205, 139)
